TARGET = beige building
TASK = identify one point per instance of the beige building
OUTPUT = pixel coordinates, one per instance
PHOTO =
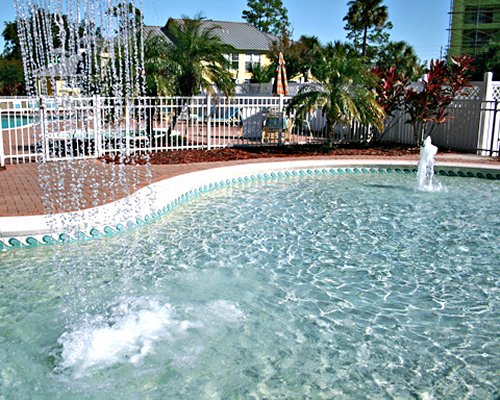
(251, 44)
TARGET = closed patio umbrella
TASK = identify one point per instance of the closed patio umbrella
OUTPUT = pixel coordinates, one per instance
(280, 86)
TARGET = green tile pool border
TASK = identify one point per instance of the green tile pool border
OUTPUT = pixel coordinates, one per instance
(110, 231)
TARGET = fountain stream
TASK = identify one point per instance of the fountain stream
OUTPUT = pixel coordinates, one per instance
(83, 62)
(425, 174)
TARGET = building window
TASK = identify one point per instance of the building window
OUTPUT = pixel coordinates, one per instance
(250, 60)
(479, 16)
(233, 59)
(475, 38)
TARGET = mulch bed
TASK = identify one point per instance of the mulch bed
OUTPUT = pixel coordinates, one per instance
(247, 153)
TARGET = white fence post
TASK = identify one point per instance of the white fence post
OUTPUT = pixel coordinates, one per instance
(280, 127)
(2, 151)
(485, 126)
(97, 128)
(209, 123)
(43, 131)
(127, 128)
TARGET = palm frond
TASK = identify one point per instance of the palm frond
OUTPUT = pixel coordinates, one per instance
(345, 95)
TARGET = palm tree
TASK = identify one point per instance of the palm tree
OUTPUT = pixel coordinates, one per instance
(362, 16)
(302, 55)
(159, 68)
(402, 56)
(195, 60)
(344, 94)
(262, 74)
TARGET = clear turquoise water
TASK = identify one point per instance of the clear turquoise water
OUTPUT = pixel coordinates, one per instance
(15, 122)
(355, 287)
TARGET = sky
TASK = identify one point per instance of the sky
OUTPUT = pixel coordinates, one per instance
(421, 23)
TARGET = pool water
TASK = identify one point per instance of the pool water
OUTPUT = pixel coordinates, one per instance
(15, 122)
(346, 286)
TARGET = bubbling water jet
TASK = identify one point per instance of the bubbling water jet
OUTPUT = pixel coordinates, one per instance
(425, 174)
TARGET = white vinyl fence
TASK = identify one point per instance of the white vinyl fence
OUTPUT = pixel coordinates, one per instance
(473, 123)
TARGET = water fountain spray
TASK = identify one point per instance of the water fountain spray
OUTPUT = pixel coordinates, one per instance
(84, 65)
(425, 174)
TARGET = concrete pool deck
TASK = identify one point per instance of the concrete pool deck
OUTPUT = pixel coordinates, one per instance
(102, 209)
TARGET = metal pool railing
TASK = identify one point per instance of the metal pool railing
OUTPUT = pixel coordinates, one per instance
(62, 128)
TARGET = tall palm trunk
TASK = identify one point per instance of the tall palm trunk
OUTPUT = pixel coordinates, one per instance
(365, 38)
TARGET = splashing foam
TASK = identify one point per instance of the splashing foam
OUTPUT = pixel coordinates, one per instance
(425, 174)
(128, 334)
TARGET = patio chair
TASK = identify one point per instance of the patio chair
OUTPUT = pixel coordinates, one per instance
(274, 122)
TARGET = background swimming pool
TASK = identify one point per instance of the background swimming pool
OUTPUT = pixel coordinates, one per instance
(353, 286)
(15, 122)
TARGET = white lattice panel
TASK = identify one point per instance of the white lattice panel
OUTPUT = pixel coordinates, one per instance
(469, 93)
(496, 91)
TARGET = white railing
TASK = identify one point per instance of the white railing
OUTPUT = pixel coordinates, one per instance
(62, 128)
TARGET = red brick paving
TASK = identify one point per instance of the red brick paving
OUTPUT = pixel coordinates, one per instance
(21, 192)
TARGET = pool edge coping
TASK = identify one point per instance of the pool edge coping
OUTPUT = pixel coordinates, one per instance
(162, 196)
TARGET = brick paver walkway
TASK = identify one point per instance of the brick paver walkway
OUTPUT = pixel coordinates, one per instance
(33, 189)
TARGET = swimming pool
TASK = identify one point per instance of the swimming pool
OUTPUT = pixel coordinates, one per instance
(9, 122)
(335, 286)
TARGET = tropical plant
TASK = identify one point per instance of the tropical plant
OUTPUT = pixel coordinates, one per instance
(344, 94)
(159, 70)
(269, 16)
(427, 105)
(390, 94)
(366, 21)
(262, 74)
(193, 60)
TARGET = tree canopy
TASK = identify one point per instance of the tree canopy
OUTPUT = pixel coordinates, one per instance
(366, 22)
(11, 66)
(11, 77)
(487, 60)
(302, 56)
(402, 56)
(12, 47)
(269, 16)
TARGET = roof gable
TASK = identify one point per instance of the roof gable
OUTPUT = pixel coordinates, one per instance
(156, 31)
(241, 35)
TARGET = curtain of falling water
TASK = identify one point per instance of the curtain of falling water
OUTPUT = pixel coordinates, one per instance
(95, 48)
